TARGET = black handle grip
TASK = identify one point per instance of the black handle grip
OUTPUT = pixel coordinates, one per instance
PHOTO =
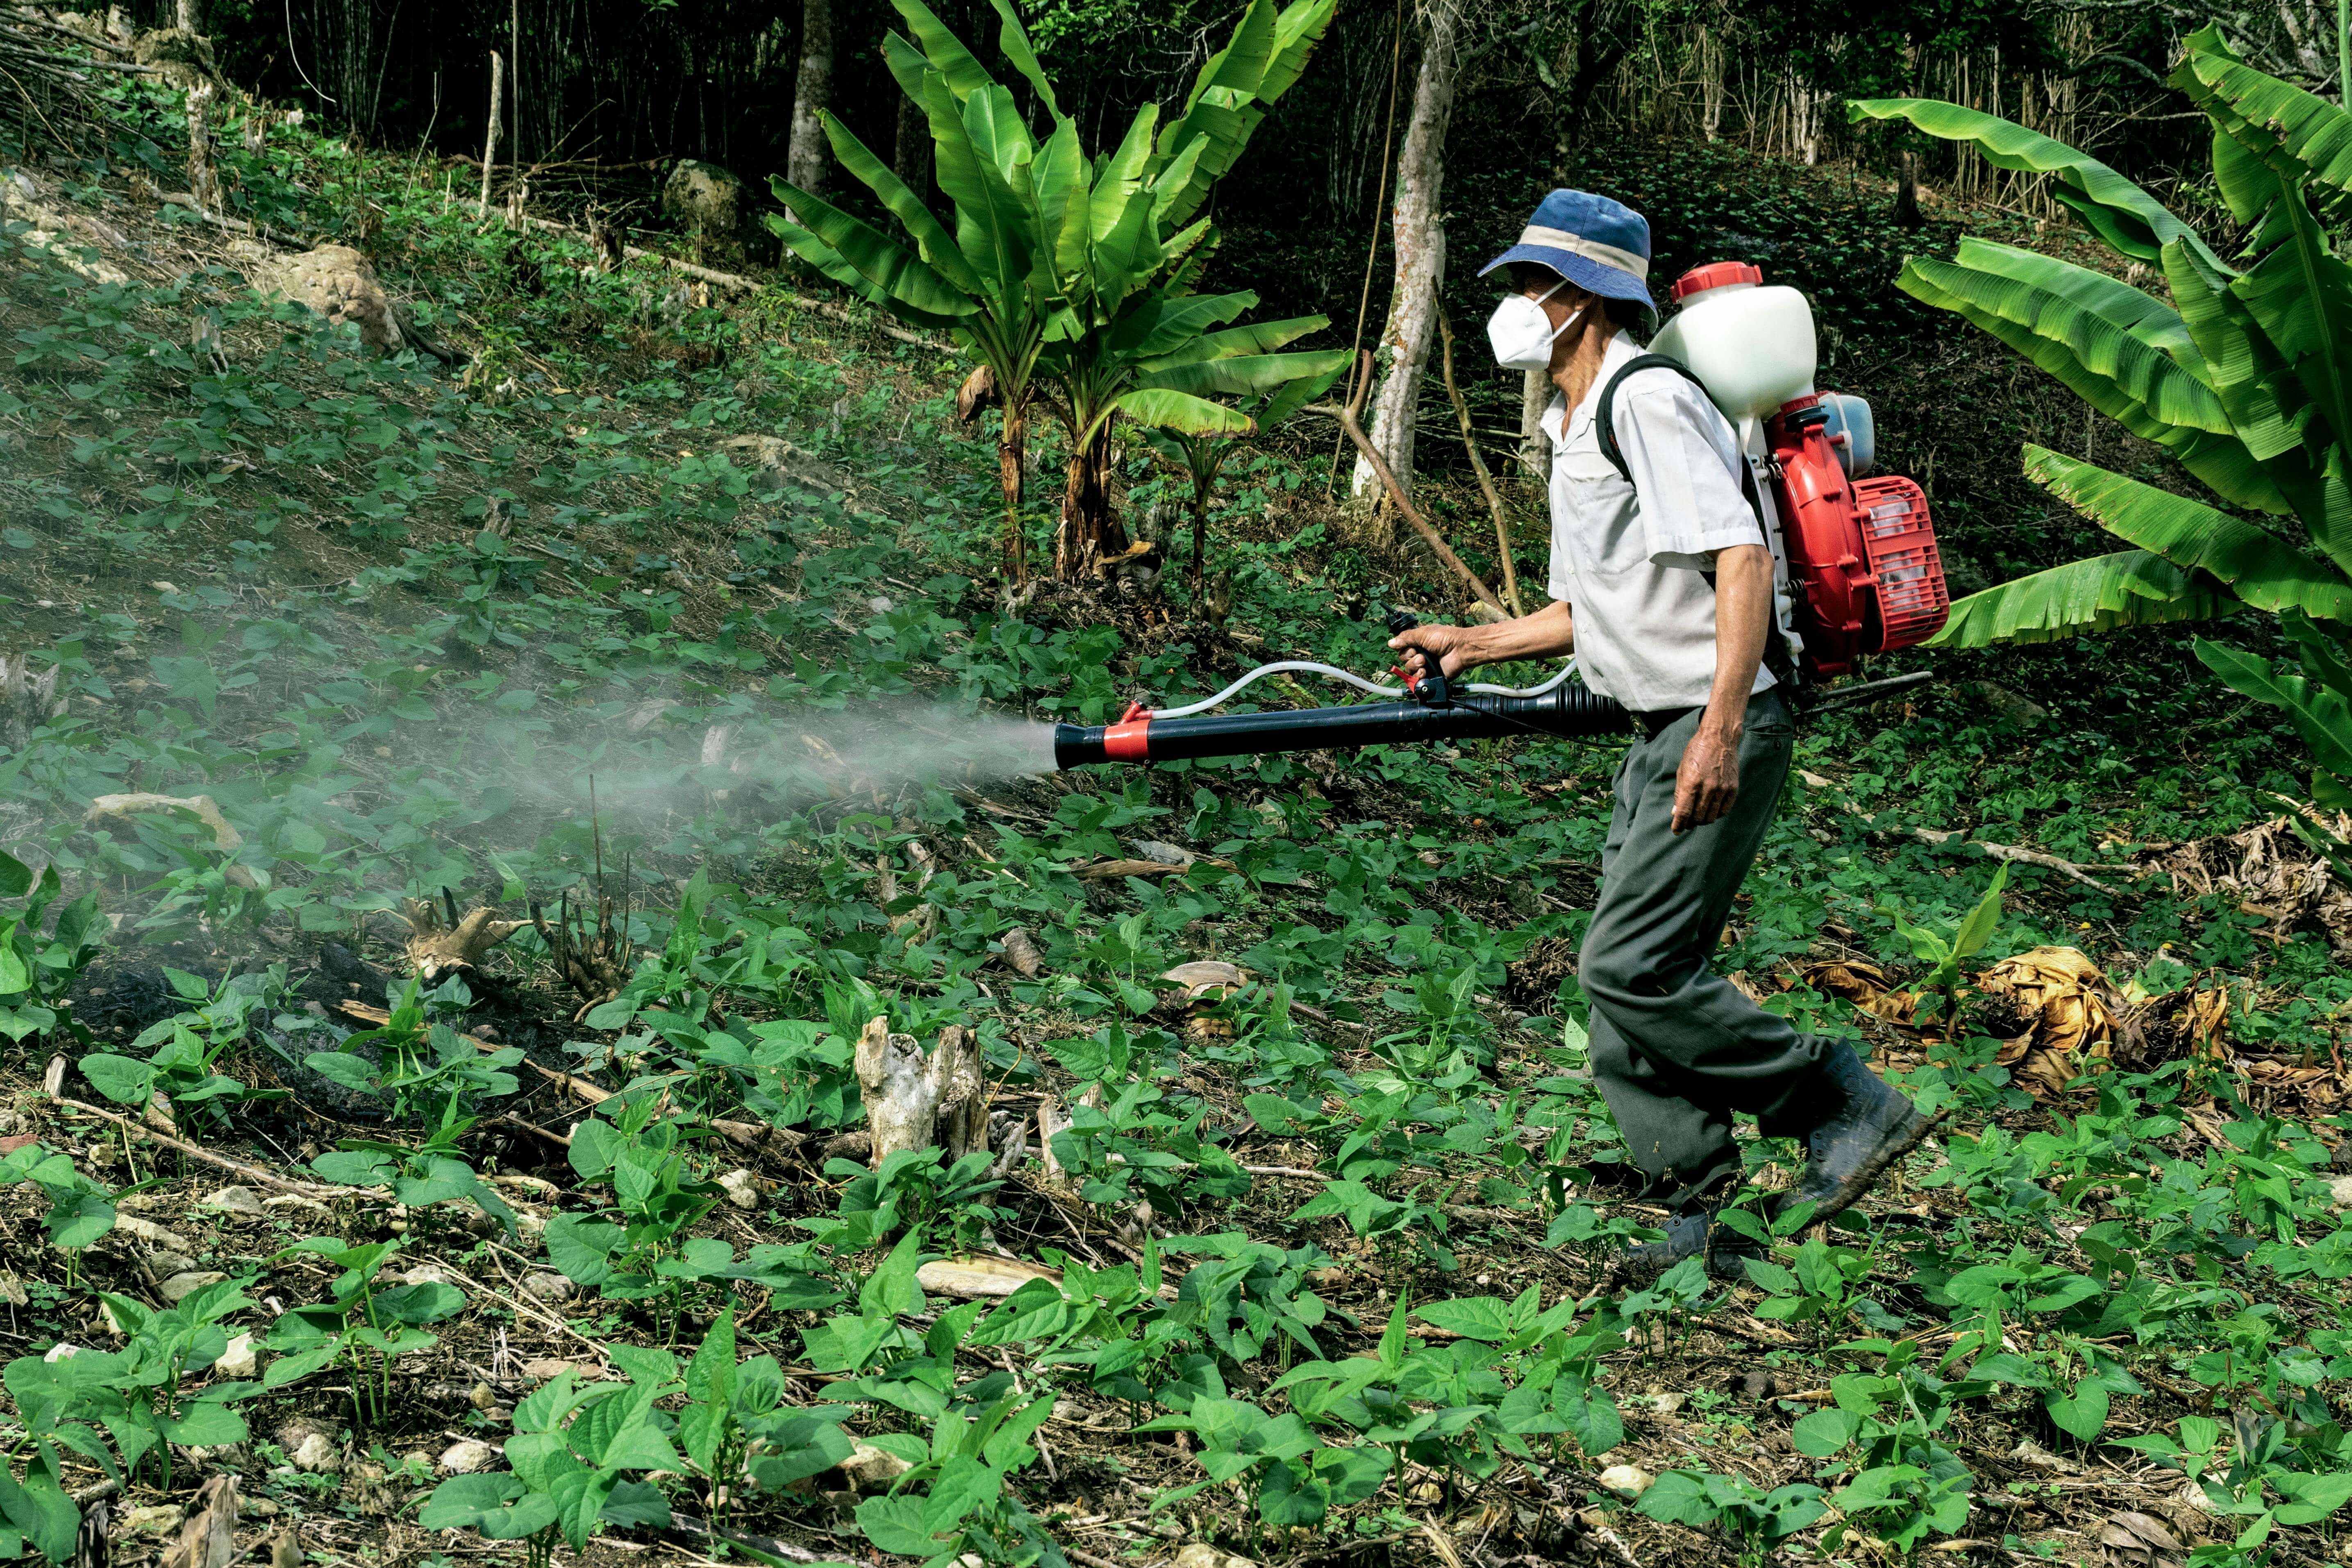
(1430, 685)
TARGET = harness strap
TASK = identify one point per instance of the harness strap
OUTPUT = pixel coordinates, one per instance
(1776, 649)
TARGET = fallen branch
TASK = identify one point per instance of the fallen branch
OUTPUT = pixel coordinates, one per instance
(1478, 467)
(2021, 857)
(760, 1545)
(220, 1161)
(741, 284)
(1346, 413)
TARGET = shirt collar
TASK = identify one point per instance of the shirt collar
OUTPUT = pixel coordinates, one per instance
(1622, 348)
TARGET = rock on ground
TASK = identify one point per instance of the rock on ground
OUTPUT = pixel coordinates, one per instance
(239, 1361)
(871, 1468)
(705, 200)
(336, 282)
(180, 1287)
(235, 1200)
(463, 1458)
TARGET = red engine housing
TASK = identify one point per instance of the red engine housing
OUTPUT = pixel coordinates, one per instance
(1861, 552)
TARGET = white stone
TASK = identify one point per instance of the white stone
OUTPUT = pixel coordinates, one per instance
(2340, 1190)
(1627, 1480)
(742, 1189)
(180, 1287)
(1201, 1554)
(235, 1200)
(11, 1290)
(146, 1230)
(315, 1452)
(872, 1468)
(239, 1361)
(463, 1458)
(59, 1352)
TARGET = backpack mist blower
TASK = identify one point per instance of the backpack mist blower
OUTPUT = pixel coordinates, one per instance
(1856, 569)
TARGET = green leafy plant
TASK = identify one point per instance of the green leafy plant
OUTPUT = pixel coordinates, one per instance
(366, 1327)
(1068, 277)
(38, 968)
(1946, 954)
(966, 1508)
(2241, 374)
(136, 1392)
(572, 1451)
(657, 1194)
(1754, 1521)
(80, 1209)
(423, 1067)
(735, 1422)
(1197, 456)
(187, 1046)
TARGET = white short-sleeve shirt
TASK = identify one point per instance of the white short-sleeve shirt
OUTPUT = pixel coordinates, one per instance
(1631, 558)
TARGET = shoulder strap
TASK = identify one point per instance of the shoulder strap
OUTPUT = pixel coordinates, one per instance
(1776, 651)
(1607, 418)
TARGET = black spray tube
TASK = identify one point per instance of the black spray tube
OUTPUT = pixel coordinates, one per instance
(1568, 710)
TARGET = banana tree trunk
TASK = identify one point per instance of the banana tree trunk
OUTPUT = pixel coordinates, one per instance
(1089, 532)
(1011, 450)
(1418, 231)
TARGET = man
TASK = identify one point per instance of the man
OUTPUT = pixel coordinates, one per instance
(1662, 588)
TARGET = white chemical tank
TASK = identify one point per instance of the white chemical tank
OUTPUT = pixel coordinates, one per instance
(1750, 345)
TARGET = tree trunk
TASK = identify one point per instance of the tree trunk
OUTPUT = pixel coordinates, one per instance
(1419, 238)
(910, 150)
(490, 136)
(1535, 445)
(1088, 533)
(808, 156)
(1201, 490)
(204, 181)
(1906, 197)
(1011, 450)
(914, 1101)
(184, 16)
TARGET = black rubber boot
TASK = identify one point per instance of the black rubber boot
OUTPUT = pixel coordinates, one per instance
(1874, 1126)
(1689, 1233)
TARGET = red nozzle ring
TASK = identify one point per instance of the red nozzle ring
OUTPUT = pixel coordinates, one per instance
(1130, 740)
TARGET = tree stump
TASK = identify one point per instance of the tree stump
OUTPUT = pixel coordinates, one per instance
(914, 1101)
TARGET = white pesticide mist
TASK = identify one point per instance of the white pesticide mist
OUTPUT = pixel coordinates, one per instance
(761, 761)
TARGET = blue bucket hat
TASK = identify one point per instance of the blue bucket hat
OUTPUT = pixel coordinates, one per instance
(1601, 245)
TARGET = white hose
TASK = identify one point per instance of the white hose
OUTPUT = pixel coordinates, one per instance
(1309, 667)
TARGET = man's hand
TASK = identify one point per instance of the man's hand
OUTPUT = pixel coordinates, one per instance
(1448, 646)
(1708, 780)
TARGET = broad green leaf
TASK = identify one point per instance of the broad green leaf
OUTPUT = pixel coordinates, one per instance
(1182, 411)
(120, 1079)
(2261, 568)
(2124, 215)
(16, 877)
(2128, 588)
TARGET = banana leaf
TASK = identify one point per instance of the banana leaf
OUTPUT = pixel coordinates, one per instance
(2261, 568)
(932, 241)
(2128, 588)
(1243, 376)
(2319, 713)
(1013, 40)
(2298, 134)
(945, 52)
(1181, 411)
(903, 277)
(2122, 213)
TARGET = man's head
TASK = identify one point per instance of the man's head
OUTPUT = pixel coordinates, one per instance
(1599, 247)
(1561, 299)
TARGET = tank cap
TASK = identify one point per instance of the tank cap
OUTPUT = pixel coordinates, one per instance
(1715, 274)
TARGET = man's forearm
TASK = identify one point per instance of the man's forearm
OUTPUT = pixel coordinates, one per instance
(1743, 619)
(1549, 633)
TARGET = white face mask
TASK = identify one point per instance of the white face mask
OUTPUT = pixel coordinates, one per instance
(1521, 334)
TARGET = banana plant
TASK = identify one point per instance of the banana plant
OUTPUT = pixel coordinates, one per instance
(1201, 457)
(1069, 277)
(2244, 375)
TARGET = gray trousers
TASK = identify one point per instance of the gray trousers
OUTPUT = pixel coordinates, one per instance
(1676, 1049)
